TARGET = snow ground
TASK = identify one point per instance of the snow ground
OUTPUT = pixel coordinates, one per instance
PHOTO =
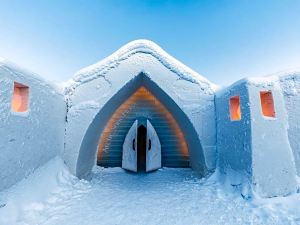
(168, 196)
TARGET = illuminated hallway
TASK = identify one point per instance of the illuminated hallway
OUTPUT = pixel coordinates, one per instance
(142, 105)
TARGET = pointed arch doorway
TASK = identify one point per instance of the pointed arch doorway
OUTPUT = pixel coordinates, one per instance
(104, 137)
(141, 148)
(142, 135)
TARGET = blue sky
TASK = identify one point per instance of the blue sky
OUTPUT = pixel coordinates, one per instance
(222, 40)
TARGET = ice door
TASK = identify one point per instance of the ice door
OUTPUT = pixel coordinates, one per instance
(153, 149)
(129, 156)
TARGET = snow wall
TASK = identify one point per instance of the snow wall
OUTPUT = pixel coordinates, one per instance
(28, 139)
(262, 151)
(290, 85)
(256, 147)
(99, 89)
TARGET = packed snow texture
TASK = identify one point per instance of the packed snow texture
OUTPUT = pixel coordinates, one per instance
(28, 139)
(257, 147)
(290, 85)
(51, 196)
(273, 171)
(234, 137)
(94, 86)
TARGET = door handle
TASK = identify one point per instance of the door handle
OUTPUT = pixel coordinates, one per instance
(149, 145)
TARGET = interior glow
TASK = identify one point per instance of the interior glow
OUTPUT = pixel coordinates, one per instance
(235, 108)
(20, 98)
(141, 93)
(267, 103)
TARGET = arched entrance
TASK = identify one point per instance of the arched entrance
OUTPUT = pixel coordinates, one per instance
(143, 107)
(109, 115)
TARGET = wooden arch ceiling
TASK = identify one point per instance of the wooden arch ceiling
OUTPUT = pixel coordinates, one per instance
(142, 94)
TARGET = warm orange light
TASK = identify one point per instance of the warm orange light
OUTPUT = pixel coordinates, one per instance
(141, 94)
(267, 103)
(235, 108)
(19, 101)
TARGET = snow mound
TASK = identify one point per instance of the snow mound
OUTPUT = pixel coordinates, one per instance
(139, 46)
(51, 195)
(28, 195)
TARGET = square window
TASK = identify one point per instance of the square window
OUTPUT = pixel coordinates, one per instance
(19, 101)
(235, 108)
(267, 103)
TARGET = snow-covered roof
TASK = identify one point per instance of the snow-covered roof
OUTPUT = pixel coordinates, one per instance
(274, 77)
(139, 46)
(270, 79)
(26, 75)
(295, 75)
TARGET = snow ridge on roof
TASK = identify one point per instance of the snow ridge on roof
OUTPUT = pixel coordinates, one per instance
(27, 75)
(275, 77)
(295, 75)
(139, 46)
(268, 79)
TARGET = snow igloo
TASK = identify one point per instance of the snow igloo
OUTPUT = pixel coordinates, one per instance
(141, 109)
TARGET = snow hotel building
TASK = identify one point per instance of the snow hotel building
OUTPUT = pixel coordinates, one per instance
(141, 109)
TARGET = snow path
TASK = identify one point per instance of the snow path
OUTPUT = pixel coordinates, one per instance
(113, 196)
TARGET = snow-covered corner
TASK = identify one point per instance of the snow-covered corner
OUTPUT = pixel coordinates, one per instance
(270, 140)
(22, 73)
(290, 84)
(234, 136)
(33, 135)
(257, 142)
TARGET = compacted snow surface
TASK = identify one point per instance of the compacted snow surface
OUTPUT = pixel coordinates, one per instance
(168, 196)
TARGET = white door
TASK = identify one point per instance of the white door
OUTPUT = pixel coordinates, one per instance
(129, 156)
(153, 149)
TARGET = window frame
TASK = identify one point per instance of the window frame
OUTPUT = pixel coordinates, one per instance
(235, 112)
(20, 93)
(267, 104)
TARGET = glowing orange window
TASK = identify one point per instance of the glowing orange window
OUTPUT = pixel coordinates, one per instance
(19, 101)
(267, 103)
(235, 108)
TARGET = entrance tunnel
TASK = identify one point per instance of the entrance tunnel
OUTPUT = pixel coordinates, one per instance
(142, 106)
